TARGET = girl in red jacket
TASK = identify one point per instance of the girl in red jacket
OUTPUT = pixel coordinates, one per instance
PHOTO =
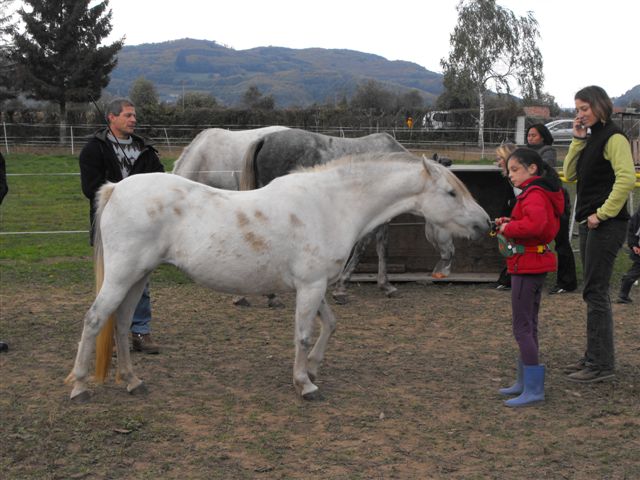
(534, 222)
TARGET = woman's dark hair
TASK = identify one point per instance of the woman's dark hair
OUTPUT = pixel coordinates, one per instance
(544, 132)
(527, 157)
(597, 98)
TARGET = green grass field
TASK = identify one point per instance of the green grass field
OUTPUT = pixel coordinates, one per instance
(45, 198)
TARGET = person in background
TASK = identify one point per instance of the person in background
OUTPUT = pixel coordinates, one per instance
(502, 154)
(533, 223)
(633, 274)
(539, 138)
(602, 164)
(110, 155)
(4, 189)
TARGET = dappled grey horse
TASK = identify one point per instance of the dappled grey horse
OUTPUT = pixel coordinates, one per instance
(279, 153)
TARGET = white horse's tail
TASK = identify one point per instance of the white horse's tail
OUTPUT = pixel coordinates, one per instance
(248, 174)
(104, 340)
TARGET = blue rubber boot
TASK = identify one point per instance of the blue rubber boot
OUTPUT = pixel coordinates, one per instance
(516, 388)
(533, 387)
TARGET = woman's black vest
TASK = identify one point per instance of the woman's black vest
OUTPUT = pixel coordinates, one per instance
(595, 173)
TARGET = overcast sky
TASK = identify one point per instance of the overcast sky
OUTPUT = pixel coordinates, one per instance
(582, 42)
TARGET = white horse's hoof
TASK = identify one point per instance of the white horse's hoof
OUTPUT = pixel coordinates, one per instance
(82, 397)
(313, 396)
(140, 389)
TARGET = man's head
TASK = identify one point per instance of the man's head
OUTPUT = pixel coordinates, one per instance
(121, 117)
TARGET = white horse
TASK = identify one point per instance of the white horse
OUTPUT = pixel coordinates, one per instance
(295, 234)
(216, 156)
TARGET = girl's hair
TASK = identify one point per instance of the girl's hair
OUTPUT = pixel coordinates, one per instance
(528, 157)
(599, 101)
(504, 151)
(544, 132)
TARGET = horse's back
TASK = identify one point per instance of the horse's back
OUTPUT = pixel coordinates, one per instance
(282, 152)
(215, 156)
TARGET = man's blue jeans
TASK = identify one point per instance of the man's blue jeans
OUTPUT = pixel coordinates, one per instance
(142, 314)
(598, 250)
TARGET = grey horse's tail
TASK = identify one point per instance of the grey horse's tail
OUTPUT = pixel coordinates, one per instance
(248, 175)
(104, 340)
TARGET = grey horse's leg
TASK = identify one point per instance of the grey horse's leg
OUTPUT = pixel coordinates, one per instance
(340, 292)
(382, 244)
(443, 242)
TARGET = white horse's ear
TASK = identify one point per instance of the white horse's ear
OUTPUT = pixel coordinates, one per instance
(428, 164)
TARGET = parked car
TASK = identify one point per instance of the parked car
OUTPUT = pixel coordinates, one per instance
(561, 130)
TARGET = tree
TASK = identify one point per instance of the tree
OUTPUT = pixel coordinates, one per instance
(372, 96)
(191, 100)
(144, 96)
(7, 67)
(59, 55)
(253, 98)
(490, 48)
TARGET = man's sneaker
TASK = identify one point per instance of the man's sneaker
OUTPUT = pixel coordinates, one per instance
(574, 367)
(503, 287)
(142, 342)
(624, 300)
(558, 289)
(590, 375)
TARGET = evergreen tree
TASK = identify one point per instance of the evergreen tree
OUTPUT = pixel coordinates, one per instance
(59, 55)
(491, 47)
(7, 70)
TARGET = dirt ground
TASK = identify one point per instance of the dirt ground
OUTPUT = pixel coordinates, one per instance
(409, 384)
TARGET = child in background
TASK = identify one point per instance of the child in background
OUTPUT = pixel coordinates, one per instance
(633, 239)
(534, 222)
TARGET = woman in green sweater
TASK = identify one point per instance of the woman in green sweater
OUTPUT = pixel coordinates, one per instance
(599, 158)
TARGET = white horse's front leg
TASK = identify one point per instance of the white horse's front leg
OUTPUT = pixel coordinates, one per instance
(328, 326)
(382, 242)
(308, 300)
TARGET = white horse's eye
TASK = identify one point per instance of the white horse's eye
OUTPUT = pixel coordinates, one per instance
(453, 193)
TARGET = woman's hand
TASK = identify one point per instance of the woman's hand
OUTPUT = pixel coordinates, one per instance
(579, 130)
(593, 221)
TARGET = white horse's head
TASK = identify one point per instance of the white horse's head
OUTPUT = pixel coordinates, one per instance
(448, 205)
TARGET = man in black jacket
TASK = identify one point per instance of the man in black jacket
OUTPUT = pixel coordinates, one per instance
(110, 155)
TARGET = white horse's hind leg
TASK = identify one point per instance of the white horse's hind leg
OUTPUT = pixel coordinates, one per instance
(308, 300)
(125, 315)
(382, 242)
(94, 320)
(327, 327)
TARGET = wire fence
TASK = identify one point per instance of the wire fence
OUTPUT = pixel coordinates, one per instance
(65, 138)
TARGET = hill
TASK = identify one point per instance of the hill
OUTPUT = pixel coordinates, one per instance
(629, 97)
(294, 77)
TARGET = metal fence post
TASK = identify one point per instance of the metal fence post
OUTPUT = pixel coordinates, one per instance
(6, 142)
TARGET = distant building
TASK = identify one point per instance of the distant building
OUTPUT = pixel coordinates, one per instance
(537, 111)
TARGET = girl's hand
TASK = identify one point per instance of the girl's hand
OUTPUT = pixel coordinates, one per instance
(502, 220)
